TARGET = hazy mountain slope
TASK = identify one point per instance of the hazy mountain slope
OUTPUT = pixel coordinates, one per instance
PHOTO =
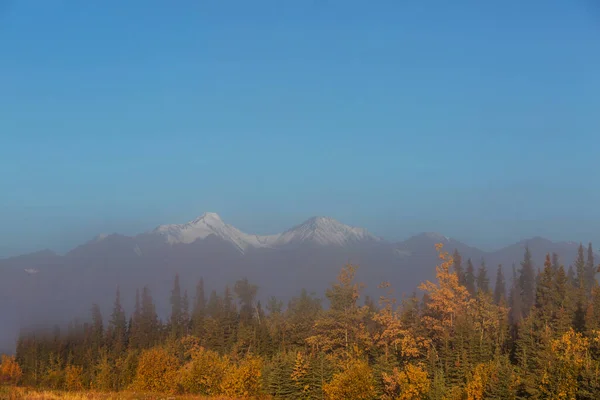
(58, 288)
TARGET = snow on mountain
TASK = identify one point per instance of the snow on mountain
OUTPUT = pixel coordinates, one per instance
(211, 224)
(324, 231)
(318, 230)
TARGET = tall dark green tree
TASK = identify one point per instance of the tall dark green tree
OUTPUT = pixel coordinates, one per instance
(470, 278)
(246, 294)
(483, 282)
(185, 313)
(135, 334)
(545, 299)
(580, 268)
(500, 287)
(149, 324)
(555, 261)
(117, 326)
(458, 267)
(527, 282)
(516, 308)
(199, 309)
(176, 310)
(590, 270)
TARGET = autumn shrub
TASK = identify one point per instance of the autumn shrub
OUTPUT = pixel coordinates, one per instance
(204, 373)
(409, 383)
(244, 378)
(74, 378)
(10, 371)
(156, 371)
(54, 378)
(104, 378)
(355, 382)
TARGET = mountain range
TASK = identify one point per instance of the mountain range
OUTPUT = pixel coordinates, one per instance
(45, 287)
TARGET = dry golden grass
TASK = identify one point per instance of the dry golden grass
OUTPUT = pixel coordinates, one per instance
(20, 393)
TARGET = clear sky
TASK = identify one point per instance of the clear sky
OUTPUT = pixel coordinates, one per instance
(476, 119)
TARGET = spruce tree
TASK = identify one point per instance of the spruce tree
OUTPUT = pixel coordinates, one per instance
(580, 268)
(458, 268)
(527, 282)
(500, 287)
(563, 292)
(590, 269)
(516, 308)
(176, 312)
(545, 304)
(555, 261)
(470, 278)
(185, 313)
(149, 325)
(135, 333)
(483, 282)
(199, 310)
(118, 326)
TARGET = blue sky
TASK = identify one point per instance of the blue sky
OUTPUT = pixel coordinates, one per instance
(477, 120)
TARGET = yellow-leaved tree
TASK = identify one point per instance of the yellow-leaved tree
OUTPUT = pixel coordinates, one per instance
(74, 377)
(410, 383)
(355, 382)
(570, 356)
(448, 299)
(204, 373)
(243, 379)
(341, 331)
(156, 371)
(10, 371)
(390, 335)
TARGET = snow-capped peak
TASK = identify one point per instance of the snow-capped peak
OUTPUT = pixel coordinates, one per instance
(317, 230)
(324, 231)
(437, 236)
(210, 224)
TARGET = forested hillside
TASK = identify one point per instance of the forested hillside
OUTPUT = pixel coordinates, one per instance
(535, 334)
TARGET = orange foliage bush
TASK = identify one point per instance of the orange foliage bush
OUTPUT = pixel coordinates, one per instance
(74, 378)
(411, 383)
(355, 382)
(156, 372)
(10, 371)
(243, 379)
(204, 373)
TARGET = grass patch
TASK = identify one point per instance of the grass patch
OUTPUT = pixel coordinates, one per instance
(21, 393)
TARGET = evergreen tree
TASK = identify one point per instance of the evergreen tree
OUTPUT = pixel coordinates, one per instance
(483, 282)
(135, 333)
(470, 278)
(516, 309)
(571, 276)
(149, 325)
(176, 310)
(590, 269)
(97, 332)
(545, 299)
(185, 313)
(555, 262)
(581, 290)
(500, 287)
(246, 293)
(199, 310)
(458, 268)
(563, 294)
(580, 268)
(527, 282)
(118, 326)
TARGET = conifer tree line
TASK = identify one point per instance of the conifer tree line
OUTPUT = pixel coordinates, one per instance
(532, 335)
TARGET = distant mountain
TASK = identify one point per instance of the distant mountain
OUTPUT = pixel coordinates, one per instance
(322, 231)
(46, 287)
